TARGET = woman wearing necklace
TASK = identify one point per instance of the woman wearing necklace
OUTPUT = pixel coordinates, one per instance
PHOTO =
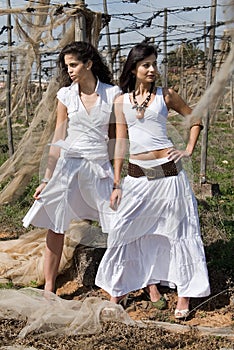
(155, 235)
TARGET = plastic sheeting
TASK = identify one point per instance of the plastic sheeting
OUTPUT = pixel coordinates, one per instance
(22, 259)
(49, 315)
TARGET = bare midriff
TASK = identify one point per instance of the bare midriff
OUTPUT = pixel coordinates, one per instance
(156, 154)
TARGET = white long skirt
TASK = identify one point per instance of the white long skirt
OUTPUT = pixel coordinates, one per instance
(155, 238)
(79, 189)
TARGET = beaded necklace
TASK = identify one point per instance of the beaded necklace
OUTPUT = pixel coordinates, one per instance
(140, 109)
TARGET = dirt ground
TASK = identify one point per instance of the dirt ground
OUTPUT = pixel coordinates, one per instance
(206, 328)
(114, 336)
(218, 312)
(210, 325)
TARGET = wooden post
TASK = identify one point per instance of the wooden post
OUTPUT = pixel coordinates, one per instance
(232, 86)
(232, 101)
(182, 71)
(8, 85)
(80, 24)
(119, 56)
(165, 63)
(185, 89)
(39, 78)
(204, 142)
(26, 107)
(109, 51)
(205, 42)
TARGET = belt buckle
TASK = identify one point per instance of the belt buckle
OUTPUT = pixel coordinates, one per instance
(154, 173)
(150, 173)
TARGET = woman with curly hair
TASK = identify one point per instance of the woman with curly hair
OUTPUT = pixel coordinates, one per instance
(78, 179)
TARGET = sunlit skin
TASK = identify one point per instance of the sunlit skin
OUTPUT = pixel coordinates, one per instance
(76, 69)
(81, 73)
(146, 72)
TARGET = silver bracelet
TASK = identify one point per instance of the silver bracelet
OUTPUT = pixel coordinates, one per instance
(45, 180)
(117, 187)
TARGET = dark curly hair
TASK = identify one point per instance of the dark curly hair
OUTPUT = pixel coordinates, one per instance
(138, 53)
(83, 51)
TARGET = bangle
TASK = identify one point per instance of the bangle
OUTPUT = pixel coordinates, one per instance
(197, 124)
(45, 180)
(117, 187)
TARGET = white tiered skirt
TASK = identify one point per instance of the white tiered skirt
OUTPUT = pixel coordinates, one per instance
(79, 189)
(155, 238)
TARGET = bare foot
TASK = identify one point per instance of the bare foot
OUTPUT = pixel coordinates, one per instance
(120, 300)
(49, 287)
(153, 292)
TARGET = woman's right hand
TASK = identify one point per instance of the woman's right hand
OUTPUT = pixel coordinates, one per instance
(38, 190)
(115, 198)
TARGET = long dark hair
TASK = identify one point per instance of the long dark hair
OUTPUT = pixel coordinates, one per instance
(138, 53)
(83, 51)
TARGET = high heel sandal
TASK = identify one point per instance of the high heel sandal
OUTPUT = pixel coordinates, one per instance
(181, 314)
(160, 304)
(123, 301)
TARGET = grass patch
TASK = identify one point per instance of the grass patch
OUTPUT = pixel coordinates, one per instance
(8, 285)
(13, 213)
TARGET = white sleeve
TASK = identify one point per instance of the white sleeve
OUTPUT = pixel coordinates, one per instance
(62, 96)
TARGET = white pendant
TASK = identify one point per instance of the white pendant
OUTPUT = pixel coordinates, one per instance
(140, 114)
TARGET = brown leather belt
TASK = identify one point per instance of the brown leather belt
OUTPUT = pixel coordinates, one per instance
(167, 169)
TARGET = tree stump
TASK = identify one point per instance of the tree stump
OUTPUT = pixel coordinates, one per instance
(84, 267)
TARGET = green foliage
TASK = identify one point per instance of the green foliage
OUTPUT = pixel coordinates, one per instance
(217, 223)
(33, 284)
(18, 130)
(12, 214)
(3, 146)
(187, 54)
(8, 285)
(220, 256)
(27, 198)
(216, 213)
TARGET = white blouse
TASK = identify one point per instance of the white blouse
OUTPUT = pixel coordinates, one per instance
(87, 133)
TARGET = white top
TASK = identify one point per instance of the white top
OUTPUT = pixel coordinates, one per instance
(150, 132)
(87, 133)
(82, 181)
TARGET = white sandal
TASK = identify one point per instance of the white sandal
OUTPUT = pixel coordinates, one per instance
(181, 314)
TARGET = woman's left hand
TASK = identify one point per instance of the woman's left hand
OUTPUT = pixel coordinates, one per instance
(115, 198)
(176, 155)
